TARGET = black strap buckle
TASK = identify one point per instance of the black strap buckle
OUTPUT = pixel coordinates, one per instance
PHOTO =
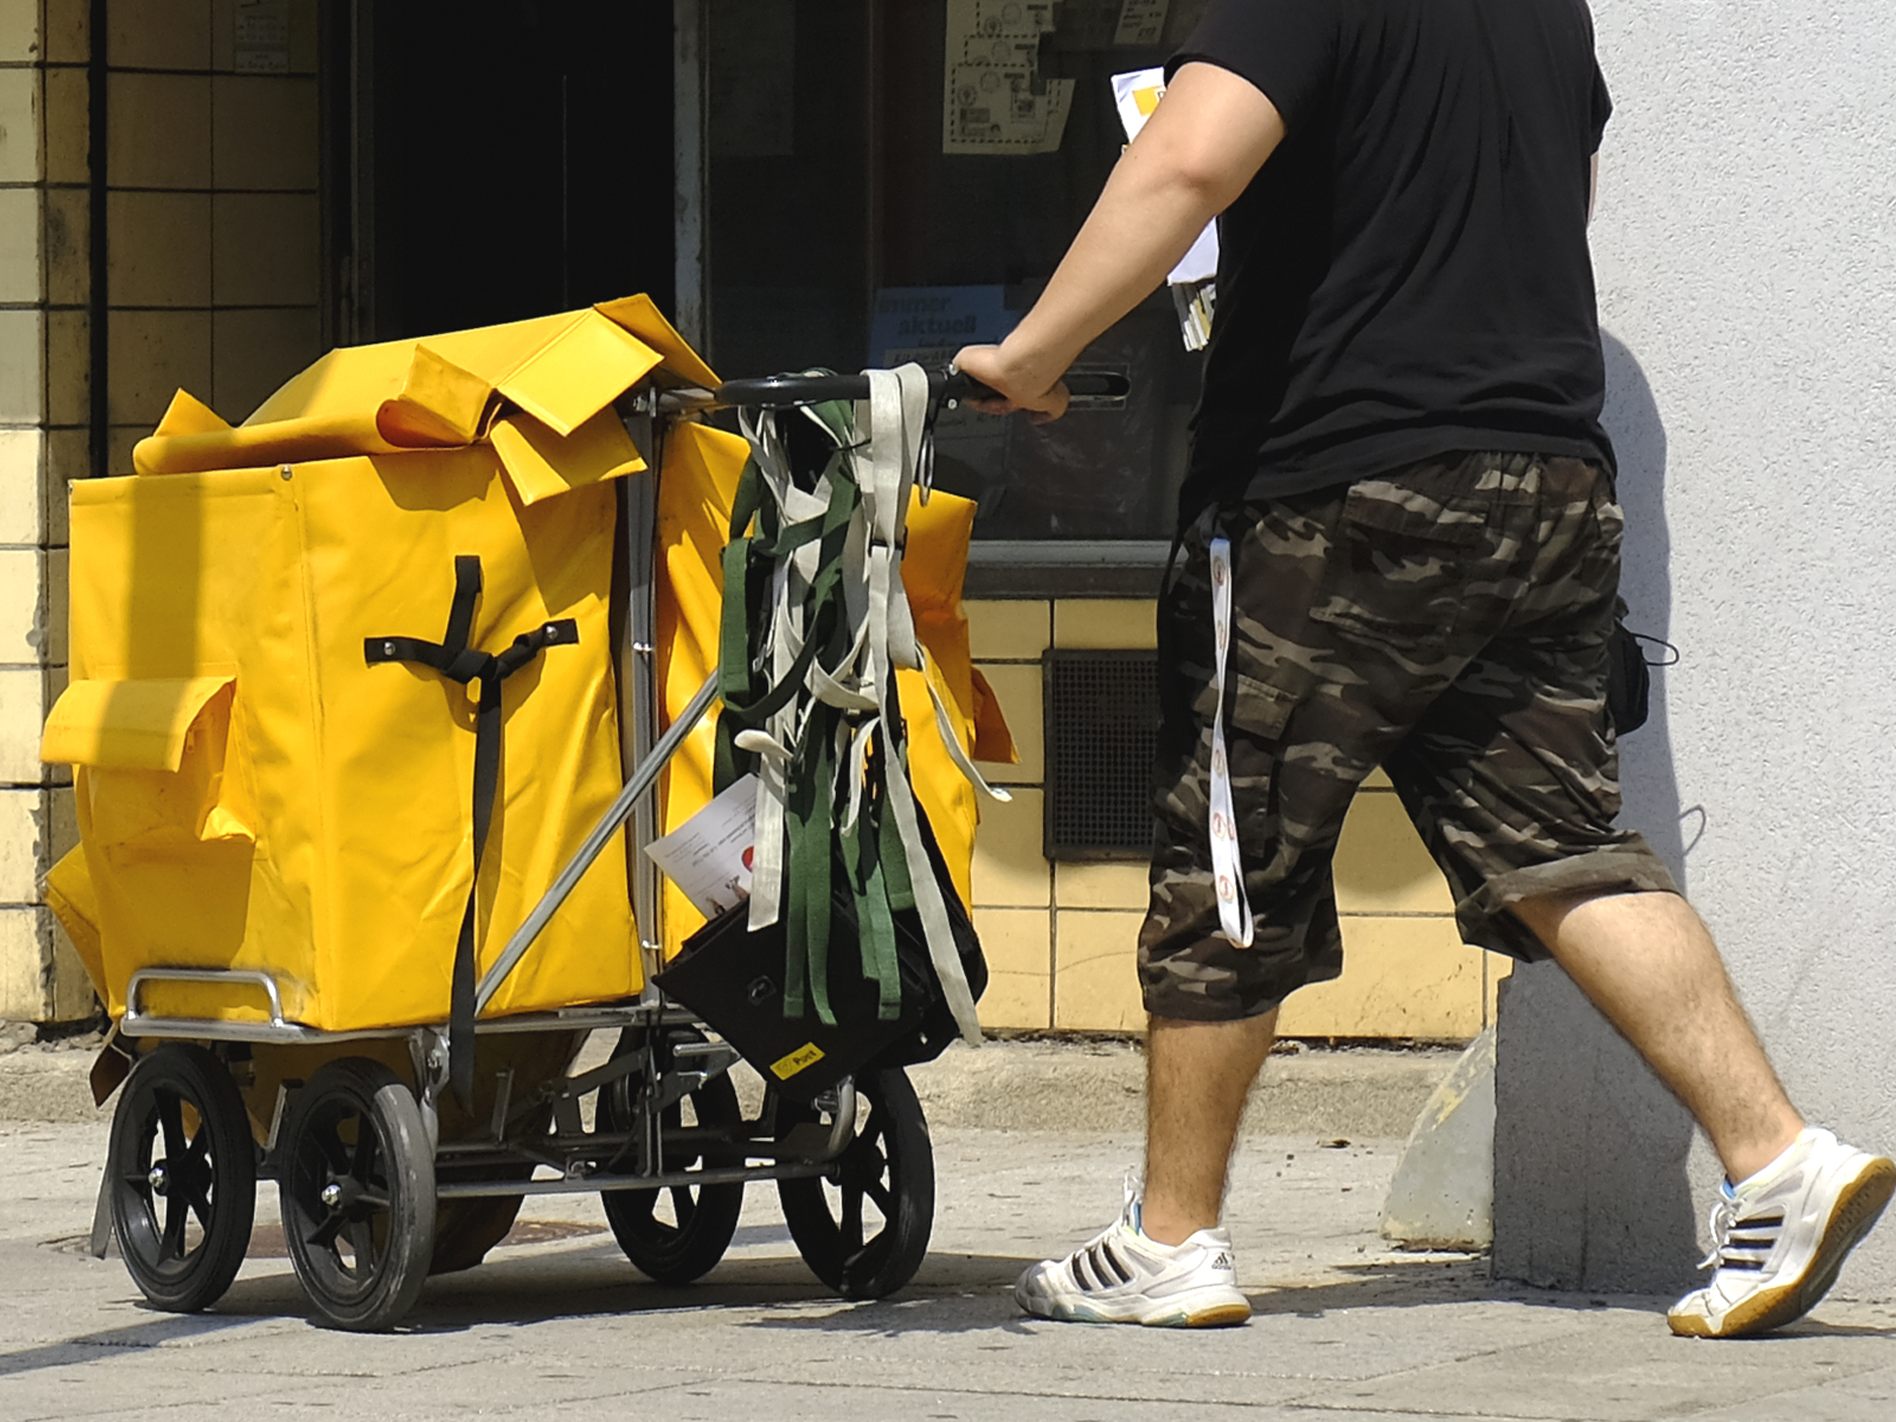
(458, 661)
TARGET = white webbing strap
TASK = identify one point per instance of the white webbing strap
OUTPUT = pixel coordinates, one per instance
(1234, 909)
(881, 628)
(896, 417)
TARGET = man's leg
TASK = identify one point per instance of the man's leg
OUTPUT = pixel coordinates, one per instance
(1648, 963)
(1198, 1075)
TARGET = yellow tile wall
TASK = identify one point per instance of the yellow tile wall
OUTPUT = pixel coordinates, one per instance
(1010, 871)
(1095, 987)
(1017, 943)
(1105, 624)
(163, 257)
(213, 283)
(20, 245)
(1068, 932)
(19, 30)
(32, 570)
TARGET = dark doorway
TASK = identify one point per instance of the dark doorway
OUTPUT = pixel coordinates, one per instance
(497, 159)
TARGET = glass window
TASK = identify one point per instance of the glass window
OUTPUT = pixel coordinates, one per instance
(839, 233)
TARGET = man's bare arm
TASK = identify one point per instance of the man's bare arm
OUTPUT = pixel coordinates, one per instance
(1200, 149)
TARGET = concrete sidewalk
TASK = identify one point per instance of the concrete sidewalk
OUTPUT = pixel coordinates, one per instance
(1345, 1331)
(1076, 1086)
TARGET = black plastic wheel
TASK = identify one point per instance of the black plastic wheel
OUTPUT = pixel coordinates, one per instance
(183, 1171)
(678, 1234)
(358, 1193)
(863, 1225)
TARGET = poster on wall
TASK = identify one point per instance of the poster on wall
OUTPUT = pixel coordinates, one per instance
(928, 325)
(994, 100)
(260, 37)
(1141, 22)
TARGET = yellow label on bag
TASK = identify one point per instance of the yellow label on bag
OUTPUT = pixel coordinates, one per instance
(807, 1055)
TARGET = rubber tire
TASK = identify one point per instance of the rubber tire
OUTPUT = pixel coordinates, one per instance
(196, 1076)
(465, 1229)
(888, 1261)
(664, 1253)
(379, 1097)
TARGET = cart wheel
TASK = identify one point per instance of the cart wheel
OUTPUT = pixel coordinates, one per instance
(888, 1171)
(358, 1195)
(465, 1229)
(676, 1235)
(184, 1177)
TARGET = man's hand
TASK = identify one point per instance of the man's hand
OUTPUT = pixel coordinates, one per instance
(1042, 394)
(1203, 145)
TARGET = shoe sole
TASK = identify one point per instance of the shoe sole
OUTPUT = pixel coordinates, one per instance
(1859, 1205)
(1228, 1313)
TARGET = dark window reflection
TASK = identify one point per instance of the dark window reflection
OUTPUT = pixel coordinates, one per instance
(840, 234)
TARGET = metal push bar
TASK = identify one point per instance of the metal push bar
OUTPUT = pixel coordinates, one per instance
(1091, 390)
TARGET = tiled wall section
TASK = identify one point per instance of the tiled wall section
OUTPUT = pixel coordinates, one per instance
(32, 562)
(1060, 937)
(213, 285)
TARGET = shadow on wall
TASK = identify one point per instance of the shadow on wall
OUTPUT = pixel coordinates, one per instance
(1590, 1150)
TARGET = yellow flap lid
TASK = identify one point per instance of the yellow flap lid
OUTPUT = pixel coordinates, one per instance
(127, 725)
(563, 372)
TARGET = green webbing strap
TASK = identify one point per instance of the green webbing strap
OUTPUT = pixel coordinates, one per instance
(895, 870)
(875, 919)
(815, 626)
(824, 603)
(811, 857)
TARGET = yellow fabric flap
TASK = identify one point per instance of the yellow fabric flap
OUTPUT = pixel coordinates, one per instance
(69, 893)
(441, 404)
(993, 740)
(260, 446)
(188, 415)
(583, 369)
(564, 372)
(640, 315)
(127, 725)
(541, 463)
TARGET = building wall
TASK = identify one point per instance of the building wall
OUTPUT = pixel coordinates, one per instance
(213, 282)
(214, 285)
(1746, 245)
(1060, 938)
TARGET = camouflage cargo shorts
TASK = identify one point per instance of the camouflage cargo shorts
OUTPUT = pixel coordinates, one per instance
(1448, 622)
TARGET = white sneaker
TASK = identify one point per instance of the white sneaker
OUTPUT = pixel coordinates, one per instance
(1121, 1276)
(1779, 1238)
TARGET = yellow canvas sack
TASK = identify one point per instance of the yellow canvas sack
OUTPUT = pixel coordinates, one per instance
(254, 790)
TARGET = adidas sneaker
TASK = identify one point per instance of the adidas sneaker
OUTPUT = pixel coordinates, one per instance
(1121, 1276)
(1779, 1238)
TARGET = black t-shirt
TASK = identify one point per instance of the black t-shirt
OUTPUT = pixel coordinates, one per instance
(1409, 274)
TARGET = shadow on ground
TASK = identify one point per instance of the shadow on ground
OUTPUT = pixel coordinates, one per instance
(955, 1293)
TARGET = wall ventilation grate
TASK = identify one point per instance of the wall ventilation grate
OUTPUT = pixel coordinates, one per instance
(1102, 713)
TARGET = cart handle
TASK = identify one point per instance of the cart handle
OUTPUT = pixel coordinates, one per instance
(1091, 389)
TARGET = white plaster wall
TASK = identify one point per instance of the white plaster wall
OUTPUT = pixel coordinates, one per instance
(1746, 247)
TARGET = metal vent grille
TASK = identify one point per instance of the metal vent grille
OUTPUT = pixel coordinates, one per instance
(1102, 714)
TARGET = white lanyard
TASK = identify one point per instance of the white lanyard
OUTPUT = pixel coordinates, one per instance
(1234, 910)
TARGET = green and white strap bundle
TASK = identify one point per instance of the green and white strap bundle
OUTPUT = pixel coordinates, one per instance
(816, 624)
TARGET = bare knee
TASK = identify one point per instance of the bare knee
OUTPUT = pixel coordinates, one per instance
(1547, 915)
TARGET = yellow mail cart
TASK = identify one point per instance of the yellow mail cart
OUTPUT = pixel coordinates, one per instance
(374, 699)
